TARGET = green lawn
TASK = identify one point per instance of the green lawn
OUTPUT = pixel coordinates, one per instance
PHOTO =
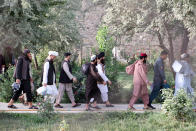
(116, 121)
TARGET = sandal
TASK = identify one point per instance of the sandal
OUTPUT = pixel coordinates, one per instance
(88, 109)
(96, 107)
(76, 105)
(33, 107)
(147, 108)
(12, 107)
(58, 106)
(131, 108)
(110, 105)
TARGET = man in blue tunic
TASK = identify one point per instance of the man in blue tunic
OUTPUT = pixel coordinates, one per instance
(159, 77)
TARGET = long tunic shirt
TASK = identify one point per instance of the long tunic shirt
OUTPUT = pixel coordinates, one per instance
(103, 88)
(140, 79)
(183, 78)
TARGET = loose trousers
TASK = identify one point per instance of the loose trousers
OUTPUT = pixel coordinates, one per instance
(61, 90)
(139, 91)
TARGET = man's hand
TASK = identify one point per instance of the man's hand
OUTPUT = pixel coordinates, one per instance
(18, 81)
(45, 85)
(75, 80)
(105, 83)
(165, 81)
(109, 82)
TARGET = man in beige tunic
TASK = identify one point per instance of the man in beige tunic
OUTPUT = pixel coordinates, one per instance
(65, 82)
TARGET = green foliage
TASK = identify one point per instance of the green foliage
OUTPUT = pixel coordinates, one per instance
(106, 44)
(46, 109)
(6, 80)
(64, 126)
(179, 106)
(33, 24)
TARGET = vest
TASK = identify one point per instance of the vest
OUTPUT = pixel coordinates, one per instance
(51, 72)
(63, 76)
(22, 70)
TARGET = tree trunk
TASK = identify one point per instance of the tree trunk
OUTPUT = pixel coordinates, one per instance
(185, 41)
(36, 63)
(171, 48)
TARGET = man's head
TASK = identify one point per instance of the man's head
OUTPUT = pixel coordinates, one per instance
(164, 55)
(101, 57)
(52, 55)
(67, 55)
(185, 57)
(94, 59)
(143, 57)
(27, 53)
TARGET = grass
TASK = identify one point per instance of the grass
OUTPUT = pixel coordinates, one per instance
(114, 121)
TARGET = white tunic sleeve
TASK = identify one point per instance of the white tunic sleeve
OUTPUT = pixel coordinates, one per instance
(45, 73)
(101, 73)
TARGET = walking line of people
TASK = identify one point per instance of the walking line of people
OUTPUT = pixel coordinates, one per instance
(97, 82)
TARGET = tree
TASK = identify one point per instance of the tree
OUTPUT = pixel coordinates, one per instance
(155, 17)
(35, 24)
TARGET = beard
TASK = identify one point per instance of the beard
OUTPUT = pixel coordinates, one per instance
(103, 61)
(144, 61)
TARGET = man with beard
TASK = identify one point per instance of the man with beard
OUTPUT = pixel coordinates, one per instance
(159, 77)
(23, 77)
(66, 81)
(49, 76)
(140, 82)
(103, 88)
(92, 91)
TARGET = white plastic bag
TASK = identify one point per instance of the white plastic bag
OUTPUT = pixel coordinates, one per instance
(52, 90)
(177, 66)
(42, 91)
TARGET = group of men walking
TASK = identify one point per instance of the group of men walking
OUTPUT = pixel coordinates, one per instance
(96, 80)
(140, 79)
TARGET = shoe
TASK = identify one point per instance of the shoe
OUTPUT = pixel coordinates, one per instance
(33, 107)
(76, 105)
(110, 105)
(149, 105)
(88, 109)
(147, 108)
(96, 107)
(131, 108)
(58, 106)
(12, 107)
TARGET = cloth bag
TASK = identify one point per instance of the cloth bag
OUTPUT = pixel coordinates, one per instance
(177, 66)
(131, 68)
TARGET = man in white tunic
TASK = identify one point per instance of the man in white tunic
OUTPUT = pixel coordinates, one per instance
(184, 76)
(49, 76)
(103, 88)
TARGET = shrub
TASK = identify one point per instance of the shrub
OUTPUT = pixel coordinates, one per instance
(46, 109)
(6, 80)
(179, 106)
(64, 126)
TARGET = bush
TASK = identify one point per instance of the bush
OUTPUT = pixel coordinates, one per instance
(179, 106)
(6, 80)
(46, 109)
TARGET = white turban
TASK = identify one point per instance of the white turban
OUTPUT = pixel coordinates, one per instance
(184, 55)
(54, 53)
(93, 57)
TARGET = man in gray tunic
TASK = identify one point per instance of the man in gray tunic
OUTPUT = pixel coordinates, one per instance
(159, 77)
(65, 82)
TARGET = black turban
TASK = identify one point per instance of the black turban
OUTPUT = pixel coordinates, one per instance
(100, 55)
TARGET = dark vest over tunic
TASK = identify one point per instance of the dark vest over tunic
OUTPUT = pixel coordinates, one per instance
(63, 76)
(51, 72)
